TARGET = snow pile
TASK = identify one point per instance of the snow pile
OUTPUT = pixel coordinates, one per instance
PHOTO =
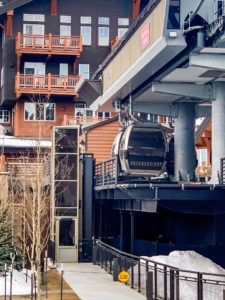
(19, 284)
(188, 261)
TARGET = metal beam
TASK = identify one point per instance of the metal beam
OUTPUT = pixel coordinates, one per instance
(162, 109)
(212, 61)
(169, 110)
(193, 91)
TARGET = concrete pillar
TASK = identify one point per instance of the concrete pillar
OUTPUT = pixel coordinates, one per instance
(218, 130)
(121, 229)
(132, 232)
(184, 142)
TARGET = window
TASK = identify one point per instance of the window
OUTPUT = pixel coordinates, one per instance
(33, 17)
(86, 35)
(2, 76)
(103, 21)
(85, 20)
(103, 115)
(4, 116)
(218, 8)
(81, 110)
(36, 29)
(123, 22)
(39, 111)
(34, 68)
(84, 70)
(152, 118)
(202, 157)
(65, 30)
(63, 69)
(33, 29)
(174, 15)
(103, 36)
(65, 19)
(121, 32)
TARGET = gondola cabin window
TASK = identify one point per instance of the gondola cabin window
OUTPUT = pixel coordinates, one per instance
(174, 15)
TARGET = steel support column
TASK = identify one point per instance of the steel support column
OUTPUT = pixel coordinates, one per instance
(121, 229)
(218, 130)
(184, 142)
(100, 222)
(132, 232)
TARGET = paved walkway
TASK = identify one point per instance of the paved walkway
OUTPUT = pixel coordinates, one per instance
(91, 282)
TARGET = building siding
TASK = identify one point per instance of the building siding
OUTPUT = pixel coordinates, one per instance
(31, 128)
(100, 140)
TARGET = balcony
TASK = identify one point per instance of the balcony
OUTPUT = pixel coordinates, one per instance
(48, 44)
(46, 84)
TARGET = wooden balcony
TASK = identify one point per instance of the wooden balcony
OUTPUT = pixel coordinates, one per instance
(48, 44)
(46, 84)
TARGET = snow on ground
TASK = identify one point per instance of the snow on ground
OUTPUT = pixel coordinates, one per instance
(19, 286)
(187, 260)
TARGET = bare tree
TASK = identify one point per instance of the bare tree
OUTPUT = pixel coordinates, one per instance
(30, 194)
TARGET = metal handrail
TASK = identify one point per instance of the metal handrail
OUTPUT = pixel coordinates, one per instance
(106, 173)
(107, 253)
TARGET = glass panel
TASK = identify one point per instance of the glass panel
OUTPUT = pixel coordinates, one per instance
(40, 111)
(174, 15)
(84, 70)
(65, 167)
(50, 111)
(66, 232)
(103, 21)
(63, 69)
(65, 19)
(85, 20)
(66, 140)
(66, 194)
(4, 116)
(86, 35)
(123, 21)
(65, 30)
(70, 212)
(147, 142)
(34, 17)
(103, 36)
(121, 32)
(29, 109)
(34, 68)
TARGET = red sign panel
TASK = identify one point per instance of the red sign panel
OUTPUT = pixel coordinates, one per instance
(145, 36)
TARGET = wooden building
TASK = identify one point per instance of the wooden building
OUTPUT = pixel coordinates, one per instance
(99, 137)
(48, 46)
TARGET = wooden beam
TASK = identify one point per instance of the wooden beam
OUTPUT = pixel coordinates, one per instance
(136, 8)
(53, 7)
(9, 23)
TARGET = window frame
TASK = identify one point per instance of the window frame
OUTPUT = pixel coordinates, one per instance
(3, 116)
(63, 19)
(35, 112)
(90, 37)
(107, 19)
(103, 44)
(121, 29)
(65, 26)
(85, 20)
(82, 65)
(121, 23)
(34, 19)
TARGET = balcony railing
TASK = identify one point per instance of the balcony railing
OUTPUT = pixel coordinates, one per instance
(48, 44)
(45, 84)
(83, 120)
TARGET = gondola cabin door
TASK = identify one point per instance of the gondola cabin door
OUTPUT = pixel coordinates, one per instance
(67, 239)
